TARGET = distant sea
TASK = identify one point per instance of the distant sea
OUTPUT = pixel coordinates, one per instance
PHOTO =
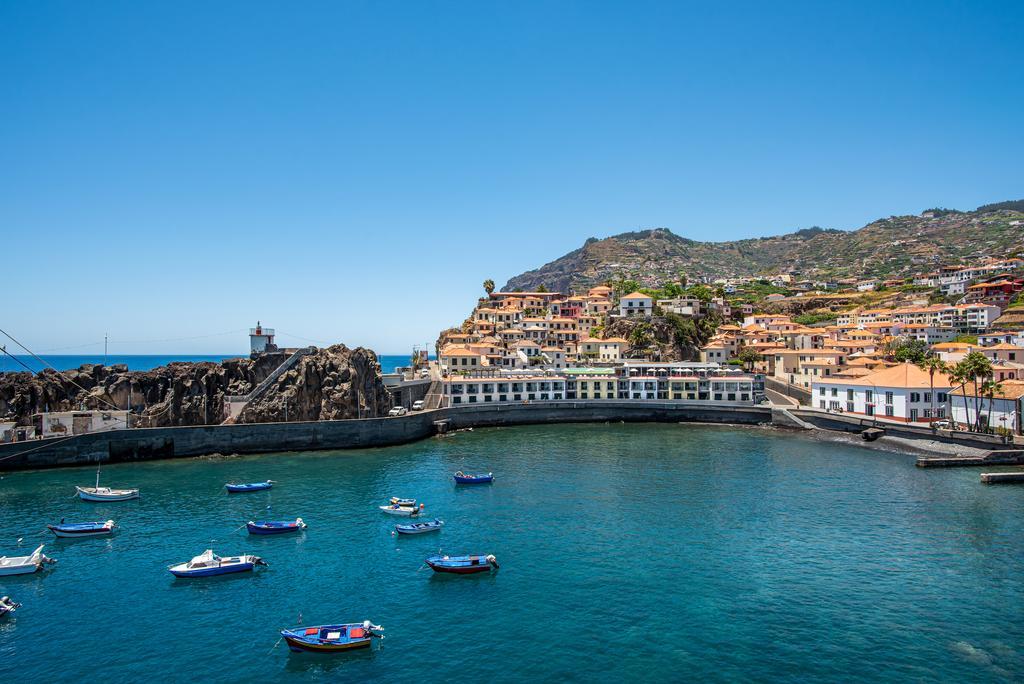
(143, 362)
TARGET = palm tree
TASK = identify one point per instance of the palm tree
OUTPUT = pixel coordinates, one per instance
(958, 376)
(973, 368)
(933, 365)
(989, 389)
(488, 286)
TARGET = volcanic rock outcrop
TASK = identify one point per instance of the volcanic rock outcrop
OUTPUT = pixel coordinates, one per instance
(332, 383)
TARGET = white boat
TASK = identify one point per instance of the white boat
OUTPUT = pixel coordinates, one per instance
(98, 493)
(405, 511)
(208, 564)
(24, 565)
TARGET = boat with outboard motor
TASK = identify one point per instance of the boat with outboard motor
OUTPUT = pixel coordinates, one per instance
(408, 503)
(8, 606)
(468, 478)
(275, 526)
(462, 565)
(420, 528)
(406, 511)
(332, 638)
(24, 565)
(242, 487)
(208, 564)
(88, 529)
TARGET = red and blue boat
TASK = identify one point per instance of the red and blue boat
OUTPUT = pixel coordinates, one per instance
(468, 478)
(332, 638)
(462, 565)
(275, 526)
(241, 488)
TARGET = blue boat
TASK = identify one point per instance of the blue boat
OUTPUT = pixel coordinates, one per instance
(88, 529)
(275, 526)
(331, 638)
(248, 487)
(208, 564)
(469, 478)
(420, 528)
(462, 565)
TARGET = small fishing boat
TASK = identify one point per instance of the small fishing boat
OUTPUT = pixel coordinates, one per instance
(331, 638)
(420, 528)
(275, 526)
(241, 488)
(408, 503)
(462, 565)
(98, 493)
(8, 606)
(208, 564)
(469, 478)
(407, 511)
(23, 565)
(88, 529)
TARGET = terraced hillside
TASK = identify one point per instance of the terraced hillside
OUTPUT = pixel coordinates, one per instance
(889, 247)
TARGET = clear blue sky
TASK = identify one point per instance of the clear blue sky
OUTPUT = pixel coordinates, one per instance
(352, 171)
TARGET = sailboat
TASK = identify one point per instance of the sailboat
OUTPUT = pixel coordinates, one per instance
(98, 493)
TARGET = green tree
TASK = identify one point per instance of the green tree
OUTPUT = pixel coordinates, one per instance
(542, 288)
(749, 356)
(903, 349)
(640, 337)
(488, 286)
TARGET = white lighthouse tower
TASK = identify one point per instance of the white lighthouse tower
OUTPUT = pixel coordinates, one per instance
(261, 339)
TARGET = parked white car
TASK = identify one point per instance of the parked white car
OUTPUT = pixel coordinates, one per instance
(417, 405)
(398, 411)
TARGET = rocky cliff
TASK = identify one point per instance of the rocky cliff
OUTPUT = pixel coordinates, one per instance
(336, 382)
(333, 384)
(663, 338)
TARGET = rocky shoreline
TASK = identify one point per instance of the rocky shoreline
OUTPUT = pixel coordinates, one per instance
(329, 384)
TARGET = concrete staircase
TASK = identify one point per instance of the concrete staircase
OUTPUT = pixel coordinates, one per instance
(235, 403)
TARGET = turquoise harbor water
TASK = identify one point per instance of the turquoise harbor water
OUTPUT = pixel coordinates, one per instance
(668, 552)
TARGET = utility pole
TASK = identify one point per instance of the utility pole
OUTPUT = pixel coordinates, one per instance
(105, 349)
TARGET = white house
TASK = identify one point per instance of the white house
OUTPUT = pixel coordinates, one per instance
(636, 304)
(1002, 411)
(67, 423)
(903, 392)
(612, 349)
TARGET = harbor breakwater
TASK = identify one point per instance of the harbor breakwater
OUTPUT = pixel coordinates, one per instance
(175, 442)
(140, 444)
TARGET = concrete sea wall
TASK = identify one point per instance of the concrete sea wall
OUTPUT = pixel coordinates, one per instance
(176, 442)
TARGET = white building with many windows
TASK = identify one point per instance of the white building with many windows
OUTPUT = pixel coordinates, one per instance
(904, 393)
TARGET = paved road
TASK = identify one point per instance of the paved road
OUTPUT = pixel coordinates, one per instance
(782, 399)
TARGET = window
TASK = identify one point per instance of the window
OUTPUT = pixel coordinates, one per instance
(849, 395)
(868, 396)
(915, 397)
(869, 409)
(835, 391)
(889, 410)
(517, 397)
(502, 397)
(888, 397)
(941, 397)
(849, 407)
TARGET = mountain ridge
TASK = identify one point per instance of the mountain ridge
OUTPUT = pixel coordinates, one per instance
(888, 247)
